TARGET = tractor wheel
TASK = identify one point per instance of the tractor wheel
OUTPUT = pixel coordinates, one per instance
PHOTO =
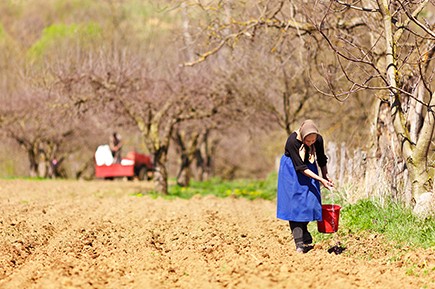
(142, 173)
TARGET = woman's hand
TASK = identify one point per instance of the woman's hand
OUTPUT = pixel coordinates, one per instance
(325, 180)
(330, 181)
(327, 183)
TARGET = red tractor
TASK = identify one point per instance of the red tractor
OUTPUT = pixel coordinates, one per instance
(133, 165)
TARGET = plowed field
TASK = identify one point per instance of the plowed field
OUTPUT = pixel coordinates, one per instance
(69, 234)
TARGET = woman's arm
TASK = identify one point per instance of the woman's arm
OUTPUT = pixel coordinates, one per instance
(322, 160)
(325, 182)
(325, 175)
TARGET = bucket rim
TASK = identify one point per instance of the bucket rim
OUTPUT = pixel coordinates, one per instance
(331, 206)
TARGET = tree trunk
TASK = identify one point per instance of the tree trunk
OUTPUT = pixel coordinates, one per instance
(160, 173)
(33, 163)
(187, 145)
(81, 171)
(35, 158)
(184, 173)
(199, 172)
(183, 176)
(203, 156)
(161, 180)
(418, 161)
(413, 153)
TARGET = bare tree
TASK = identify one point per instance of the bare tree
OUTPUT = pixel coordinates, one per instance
(43, 128)
(270, 51)
(148, 94)
(385, 47)
(388, 47)
(134, 78)
(187, 141)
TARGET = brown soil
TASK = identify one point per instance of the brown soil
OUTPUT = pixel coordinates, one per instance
(67, 234)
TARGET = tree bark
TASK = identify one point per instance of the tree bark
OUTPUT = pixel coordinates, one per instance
(414, 153)
(160, 173)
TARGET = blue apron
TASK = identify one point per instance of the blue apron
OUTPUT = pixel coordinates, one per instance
(298, 197)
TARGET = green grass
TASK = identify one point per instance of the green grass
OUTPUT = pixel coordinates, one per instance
(14, 177)
(393, 220)
(250, 189)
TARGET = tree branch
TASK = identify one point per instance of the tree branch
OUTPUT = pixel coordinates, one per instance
(417, 11)
(357, 7)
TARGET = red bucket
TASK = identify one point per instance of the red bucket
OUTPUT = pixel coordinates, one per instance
(330, 215)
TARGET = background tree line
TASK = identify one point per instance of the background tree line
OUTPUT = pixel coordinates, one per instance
(213, 88)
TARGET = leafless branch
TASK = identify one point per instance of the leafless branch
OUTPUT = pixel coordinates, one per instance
(413, 15)
(425, 59)
(357, 7)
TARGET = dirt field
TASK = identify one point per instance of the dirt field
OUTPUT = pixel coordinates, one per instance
(67, 234)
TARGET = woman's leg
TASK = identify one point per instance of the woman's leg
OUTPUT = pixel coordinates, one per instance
(301, 236)
(298, 233)
(307, 238)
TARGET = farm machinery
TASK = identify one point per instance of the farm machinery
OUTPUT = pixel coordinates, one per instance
(133, 165)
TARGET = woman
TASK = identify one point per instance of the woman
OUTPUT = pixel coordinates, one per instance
(298, 199)
(115, 144)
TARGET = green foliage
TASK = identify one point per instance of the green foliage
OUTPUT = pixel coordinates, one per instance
(392, 220)
(250, 189)
(55, 34)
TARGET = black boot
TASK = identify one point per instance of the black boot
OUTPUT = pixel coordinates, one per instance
(307, 238)
(308, 241)
(300, 248)
(298, 235)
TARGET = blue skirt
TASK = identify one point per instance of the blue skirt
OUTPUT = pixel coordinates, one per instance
(298, 197)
